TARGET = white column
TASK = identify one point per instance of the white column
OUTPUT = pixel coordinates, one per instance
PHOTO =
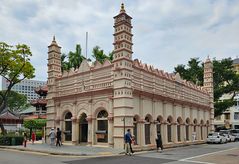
(110, 131)
(89, 137)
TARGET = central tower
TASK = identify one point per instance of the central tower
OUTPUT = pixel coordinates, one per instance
(122, 61)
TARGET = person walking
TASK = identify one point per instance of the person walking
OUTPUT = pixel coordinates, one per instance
(25, 139)
(159, 142)
(58, 137)
(33, 137)
(132, 142)
(52, 136)
(127, 139)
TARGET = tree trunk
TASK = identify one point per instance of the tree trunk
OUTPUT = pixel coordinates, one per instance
(2, 128)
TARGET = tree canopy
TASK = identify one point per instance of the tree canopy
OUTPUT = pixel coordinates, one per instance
(34, 124)
(226, 81)
(15, 66)
(16, 101)
(74, 59)
(99, 55)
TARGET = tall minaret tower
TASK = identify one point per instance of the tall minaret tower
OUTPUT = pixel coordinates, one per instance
(208, 85)
(54, 70)
(123, 93)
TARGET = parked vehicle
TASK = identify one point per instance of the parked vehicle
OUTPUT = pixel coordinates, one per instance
(228, 135)
(235, 133)
(216, 137)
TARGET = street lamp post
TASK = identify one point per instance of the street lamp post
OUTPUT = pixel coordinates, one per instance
(123, 119)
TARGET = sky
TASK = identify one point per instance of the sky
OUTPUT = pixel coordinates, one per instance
(166, 32)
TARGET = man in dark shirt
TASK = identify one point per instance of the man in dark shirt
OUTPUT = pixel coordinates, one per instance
(58, 137)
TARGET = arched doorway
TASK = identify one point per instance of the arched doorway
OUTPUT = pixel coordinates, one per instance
(179, 122)
(187, 128)
(169, 128)
(83, 129)
(147, 129)
(68, 126)
(102, 127)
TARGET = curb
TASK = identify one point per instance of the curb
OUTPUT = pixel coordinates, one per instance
(101, 154)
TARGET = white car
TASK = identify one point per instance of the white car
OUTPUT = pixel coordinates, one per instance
(216, 137)
(228, 135)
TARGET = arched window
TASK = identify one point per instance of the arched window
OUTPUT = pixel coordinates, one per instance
(147, 130)
(68, 126)
(169, 129)
(102, 126)
(187, 129)
(179, 121)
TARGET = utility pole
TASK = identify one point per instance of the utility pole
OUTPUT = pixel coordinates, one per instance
(124, 131)
(86, 44)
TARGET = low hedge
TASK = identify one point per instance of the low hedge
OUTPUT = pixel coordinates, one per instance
(11, 140)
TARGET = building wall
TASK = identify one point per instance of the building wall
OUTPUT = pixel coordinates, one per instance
(102, 101)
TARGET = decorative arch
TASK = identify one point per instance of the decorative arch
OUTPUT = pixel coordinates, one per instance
(169, 128)
(81, 111)
(135, 130)
(195, 135)
(170, 120)
(179, 124)
(187, 123)
(148, 120)
(98, 110)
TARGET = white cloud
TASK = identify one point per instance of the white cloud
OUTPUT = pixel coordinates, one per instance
(166, 32)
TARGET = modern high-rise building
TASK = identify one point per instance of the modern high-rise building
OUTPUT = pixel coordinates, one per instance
(25, 87)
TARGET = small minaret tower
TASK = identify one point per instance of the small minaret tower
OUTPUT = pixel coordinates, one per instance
(123, 93)
(208, 85)
(54, 70)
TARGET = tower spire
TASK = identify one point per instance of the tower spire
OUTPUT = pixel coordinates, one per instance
(122, 10)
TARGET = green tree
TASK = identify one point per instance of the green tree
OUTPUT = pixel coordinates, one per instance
(15, 66)
(226, 81)
(65, 65)
(16, 101)
(99, 55)
(75, 58)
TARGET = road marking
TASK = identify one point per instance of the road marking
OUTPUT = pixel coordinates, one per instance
(195, 161)
(189, 159)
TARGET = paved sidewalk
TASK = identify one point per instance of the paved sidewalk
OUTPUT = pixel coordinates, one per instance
(68, 150)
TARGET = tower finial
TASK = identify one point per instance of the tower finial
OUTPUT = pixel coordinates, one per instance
(54, 39)
(122, 10)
